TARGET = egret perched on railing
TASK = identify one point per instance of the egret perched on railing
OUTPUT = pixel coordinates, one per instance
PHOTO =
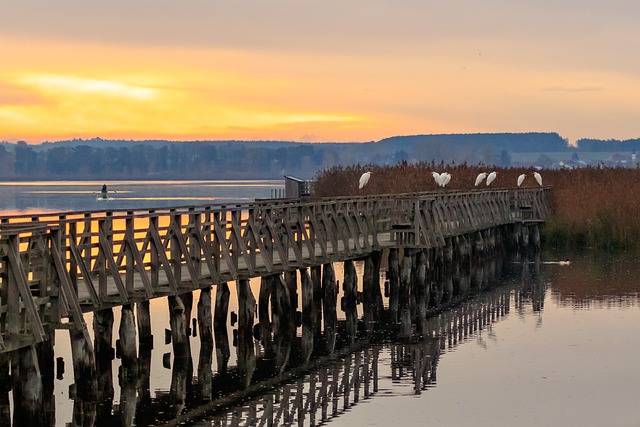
(521, 179)
(491, 177)
(481, 176)
(538, 178)
(364, 179)
(441, 179)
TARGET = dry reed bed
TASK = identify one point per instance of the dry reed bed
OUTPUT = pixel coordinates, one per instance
(591, 207)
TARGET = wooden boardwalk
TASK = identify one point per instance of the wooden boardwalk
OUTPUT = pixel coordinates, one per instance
(54, 267)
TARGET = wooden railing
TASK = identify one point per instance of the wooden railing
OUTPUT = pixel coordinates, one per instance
(55, 266)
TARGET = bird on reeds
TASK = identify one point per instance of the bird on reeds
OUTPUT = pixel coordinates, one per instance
(446, 177)
(364, 179)
(441, 179)
(521, 179)
(491, 177)
(436, 178)
(538, 178)
(481, 176)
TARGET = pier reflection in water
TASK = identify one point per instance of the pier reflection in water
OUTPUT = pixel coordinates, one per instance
(286, 370)
(347, 370)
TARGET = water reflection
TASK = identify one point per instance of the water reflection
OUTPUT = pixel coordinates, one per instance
(57, 196)
(320, 364)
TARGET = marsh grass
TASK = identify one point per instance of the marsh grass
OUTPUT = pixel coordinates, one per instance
(591, 207)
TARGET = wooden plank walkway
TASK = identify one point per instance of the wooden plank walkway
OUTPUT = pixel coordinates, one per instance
(54, 267)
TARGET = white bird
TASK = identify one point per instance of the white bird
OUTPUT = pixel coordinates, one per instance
(436, 177)
(521, 179)
(491, 177)
(446, 177)
(364, 179)
(538, 178)
(481, 176)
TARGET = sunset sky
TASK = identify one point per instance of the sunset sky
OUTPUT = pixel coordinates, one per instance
(317, 71)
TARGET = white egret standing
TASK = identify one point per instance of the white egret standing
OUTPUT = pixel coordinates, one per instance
(364, 179)
(481, 176)
(436, 177)
(521, 179)
(446, 178)
(538, 178)
(491, 177)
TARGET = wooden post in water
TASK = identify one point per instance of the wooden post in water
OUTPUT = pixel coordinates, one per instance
(27, 387)
(280, 305)
(127, 333)
(403, 296)
(307, 295)
(316, 280)
(5, 388)
(145, 337)
(178, 322)
(419, 291)
(205, 373)
(307, 314)
(187, 300)
(220, 316)
(394, 277)
(205, 320)
(349, 287)
(46, 362)
(103, 332)
(282, 322)
(329, 296)
(84, 366)
(372, 296)
(291, 280)
(246, 314)
(535, 237)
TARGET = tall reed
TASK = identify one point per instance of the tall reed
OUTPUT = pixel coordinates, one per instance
(591, 207)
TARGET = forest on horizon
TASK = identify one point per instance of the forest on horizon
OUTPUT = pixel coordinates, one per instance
(103, 159)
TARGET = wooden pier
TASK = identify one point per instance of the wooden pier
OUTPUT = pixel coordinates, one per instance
(56, 266)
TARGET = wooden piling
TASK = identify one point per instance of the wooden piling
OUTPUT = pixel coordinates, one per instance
(84, 366)
(5, 388)
(329, 296)
(349, 285)
(178, 323)
(127, 334)
(145, 337)
(372, 295)
(220, 316)
(205, 372)
(307, 295)
(103, 335)
(291, 280)
(27, 387)
(46, 362)
(246, 314)
(205, 320)
(394, 278)
(403, 296)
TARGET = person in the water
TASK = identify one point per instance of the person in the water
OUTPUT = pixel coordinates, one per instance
(104, 191)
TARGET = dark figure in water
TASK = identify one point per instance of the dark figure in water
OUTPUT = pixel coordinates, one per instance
(104, 191)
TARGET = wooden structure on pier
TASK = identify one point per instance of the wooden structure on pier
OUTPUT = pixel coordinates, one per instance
(54, 267)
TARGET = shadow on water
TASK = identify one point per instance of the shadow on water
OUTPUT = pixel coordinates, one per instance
(301, 369)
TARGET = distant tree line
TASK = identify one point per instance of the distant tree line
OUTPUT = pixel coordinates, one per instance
(120, 159)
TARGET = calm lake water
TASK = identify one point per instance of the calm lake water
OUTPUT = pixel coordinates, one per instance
(544, 344)
(54, 196)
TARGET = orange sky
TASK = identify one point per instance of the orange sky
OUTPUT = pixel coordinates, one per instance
(324, 72)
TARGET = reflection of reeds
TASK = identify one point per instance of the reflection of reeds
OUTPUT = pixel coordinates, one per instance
(592, 207)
